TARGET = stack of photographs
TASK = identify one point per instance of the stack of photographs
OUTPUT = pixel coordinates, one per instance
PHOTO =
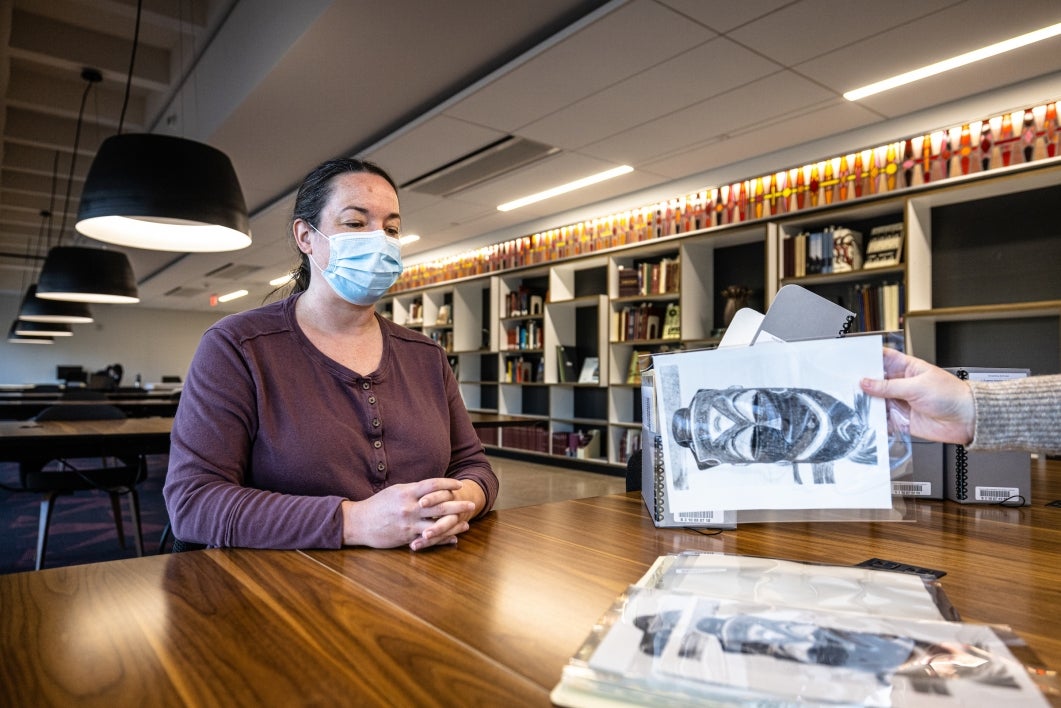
(716, 629)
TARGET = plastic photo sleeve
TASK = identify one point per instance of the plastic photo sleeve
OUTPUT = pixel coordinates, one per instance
(657, 647)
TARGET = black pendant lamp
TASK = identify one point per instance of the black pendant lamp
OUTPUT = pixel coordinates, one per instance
(43, 329)
(25, 339)
(163, 193)
(35, 309)
(82, 274)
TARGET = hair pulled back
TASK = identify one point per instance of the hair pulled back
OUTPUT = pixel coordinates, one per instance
(314, 193)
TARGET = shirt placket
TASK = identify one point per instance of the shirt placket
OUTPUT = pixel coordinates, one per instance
(375, 435)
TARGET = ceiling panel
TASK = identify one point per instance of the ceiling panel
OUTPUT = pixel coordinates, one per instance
(708, 120)
(439, 214)
(430, 144)
(622, 43)
(794, 33)
(725, 16)
(707, 70)
(834, 119)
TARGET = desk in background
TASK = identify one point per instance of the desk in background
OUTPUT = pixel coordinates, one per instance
(135, 403)
(490, 621)
(84, 438)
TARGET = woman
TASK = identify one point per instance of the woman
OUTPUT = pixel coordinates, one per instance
(314, 423)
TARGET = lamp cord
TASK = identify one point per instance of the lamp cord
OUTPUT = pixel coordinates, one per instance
(132, 63)
(90, 79)
(51, 197)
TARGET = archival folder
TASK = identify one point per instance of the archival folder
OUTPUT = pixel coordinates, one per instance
(686, 481)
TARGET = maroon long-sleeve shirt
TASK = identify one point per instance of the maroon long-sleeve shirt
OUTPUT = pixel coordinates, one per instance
(271, 435)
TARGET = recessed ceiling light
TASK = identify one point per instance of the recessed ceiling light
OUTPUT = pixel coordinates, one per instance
(954, 62)
(231, 296)
(408, 238)
(282, 280)
(565, 188)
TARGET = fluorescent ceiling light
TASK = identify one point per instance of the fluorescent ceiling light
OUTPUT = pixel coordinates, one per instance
(954, 62)
(564, 188)
(282, 280)
(231, 296)
(408, 238)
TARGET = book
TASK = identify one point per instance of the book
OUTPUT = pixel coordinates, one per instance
(884, 247)
(633, 372)
(847, 250)
(416, 313)
(629, 282)
(672, 324)
(721, 629)
(565, 364)
(590, 370)
(629, 443)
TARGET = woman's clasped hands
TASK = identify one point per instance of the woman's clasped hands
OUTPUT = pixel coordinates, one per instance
(431, 512)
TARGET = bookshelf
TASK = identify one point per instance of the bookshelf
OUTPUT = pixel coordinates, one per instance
(983, 265)
(977, 272)
(875, 293)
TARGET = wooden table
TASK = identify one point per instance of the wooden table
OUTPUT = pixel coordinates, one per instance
(490, 621)
(83, 438)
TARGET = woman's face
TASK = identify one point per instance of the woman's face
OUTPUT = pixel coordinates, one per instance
(359, 201)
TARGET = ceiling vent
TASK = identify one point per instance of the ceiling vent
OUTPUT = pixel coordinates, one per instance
(185, 292)
(498, 158)
(232, 271)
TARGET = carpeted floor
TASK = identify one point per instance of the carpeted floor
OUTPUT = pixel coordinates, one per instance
(82, 528)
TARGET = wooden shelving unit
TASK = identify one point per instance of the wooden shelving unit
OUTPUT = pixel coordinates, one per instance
(581, 301)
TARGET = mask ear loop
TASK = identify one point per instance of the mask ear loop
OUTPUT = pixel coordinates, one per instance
(309, 256)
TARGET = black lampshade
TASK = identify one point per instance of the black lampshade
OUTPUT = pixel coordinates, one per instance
(23, 339)
(43, 329)
(34, 309)
(163, 193)
(87, 275)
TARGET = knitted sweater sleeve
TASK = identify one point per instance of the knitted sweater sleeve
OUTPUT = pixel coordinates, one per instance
(1022, 414)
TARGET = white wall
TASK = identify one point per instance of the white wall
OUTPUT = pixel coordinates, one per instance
(150, 342)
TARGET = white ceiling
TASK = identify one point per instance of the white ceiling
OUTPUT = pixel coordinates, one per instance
(691, 93)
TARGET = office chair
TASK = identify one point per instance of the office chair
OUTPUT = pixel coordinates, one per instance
(53, 477)
(177, 545)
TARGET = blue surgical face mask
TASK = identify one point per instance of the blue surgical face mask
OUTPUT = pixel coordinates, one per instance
(362, 265)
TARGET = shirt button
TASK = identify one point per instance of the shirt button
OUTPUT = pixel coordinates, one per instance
(365, 385)
(372, 400)
(377, 444)
(381, 467)
(375, 422)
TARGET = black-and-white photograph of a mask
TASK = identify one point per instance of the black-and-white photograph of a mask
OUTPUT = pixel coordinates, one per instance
(773, 426)
(739, 425)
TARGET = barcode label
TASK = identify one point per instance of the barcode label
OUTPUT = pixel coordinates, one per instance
(696, 517)
(912, 489)
(995, 493)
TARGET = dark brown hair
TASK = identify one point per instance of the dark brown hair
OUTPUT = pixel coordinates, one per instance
(314, 193)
